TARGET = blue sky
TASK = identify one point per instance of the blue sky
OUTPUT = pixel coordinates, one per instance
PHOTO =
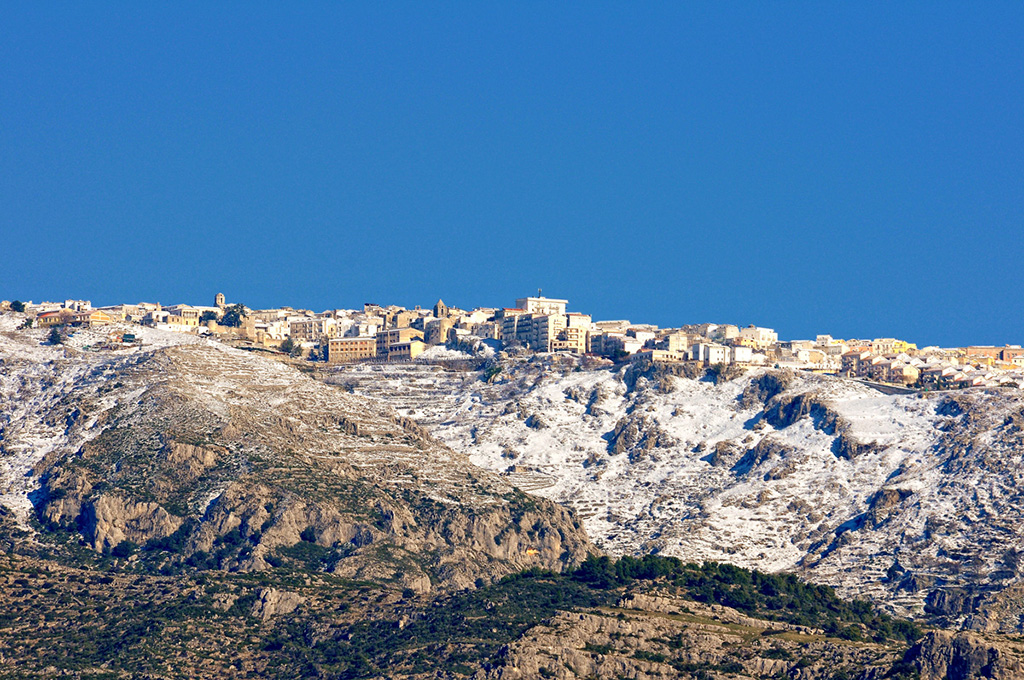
(844, 168)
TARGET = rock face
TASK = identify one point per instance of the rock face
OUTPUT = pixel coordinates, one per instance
(647, 637)
(108, 520)
(272, 602)
(947, 656)
(772, 470)
(228, 460)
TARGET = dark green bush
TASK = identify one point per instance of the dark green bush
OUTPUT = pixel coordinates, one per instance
(124, 549)
(782, 597)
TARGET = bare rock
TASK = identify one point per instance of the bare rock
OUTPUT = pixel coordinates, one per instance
(109, 520)
(273, 602)
(942, 655)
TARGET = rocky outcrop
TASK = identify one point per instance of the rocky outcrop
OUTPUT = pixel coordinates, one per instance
(885, 504)
(641, 373)
(768, 449)
(764, 387)
(658, 636)
(190, 461)
(785, 410)
(942, 655)
(109, 520)
(949, 602)
(271, 602)
(848, 447)
(637, 435)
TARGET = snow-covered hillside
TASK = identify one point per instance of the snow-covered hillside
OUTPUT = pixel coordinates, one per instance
(190, 438)
(890, 496)
(36, 376)
(914, 500)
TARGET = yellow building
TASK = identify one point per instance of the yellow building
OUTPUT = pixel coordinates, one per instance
(91, 317)
(343, 350)
(51, 319)
(572, 339)
(389, 338)
(405, 351)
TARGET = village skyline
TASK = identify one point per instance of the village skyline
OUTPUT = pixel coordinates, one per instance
(868, 328)
(393, 333)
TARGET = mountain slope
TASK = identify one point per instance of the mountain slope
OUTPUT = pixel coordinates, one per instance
(219, 458)
(914, 500)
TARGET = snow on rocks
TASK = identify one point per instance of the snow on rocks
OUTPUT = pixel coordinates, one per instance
(680, 466)
(35, 378)
(442, 353)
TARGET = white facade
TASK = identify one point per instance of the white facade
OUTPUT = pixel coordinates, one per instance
(741, 355)
(761, 337)
(710, 353)
(641, 336)
(541, 305)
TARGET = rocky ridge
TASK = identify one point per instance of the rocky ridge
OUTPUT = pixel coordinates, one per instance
(655, 636)
(195, 510)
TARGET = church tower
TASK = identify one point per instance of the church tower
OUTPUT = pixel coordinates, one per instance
(440, 310)
(219, 300)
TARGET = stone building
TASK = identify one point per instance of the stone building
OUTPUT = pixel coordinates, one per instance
(440, 310)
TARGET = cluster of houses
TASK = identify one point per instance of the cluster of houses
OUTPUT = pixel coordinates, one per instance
(938, 368)
(391, 333)
(81, 313)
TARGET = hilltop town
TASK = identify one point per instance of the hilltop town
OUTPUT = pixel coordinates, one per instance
(383, 334)
(253, 468)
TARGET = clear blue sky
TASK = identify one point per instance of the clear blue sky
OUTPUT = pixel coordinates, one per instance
(849, 168)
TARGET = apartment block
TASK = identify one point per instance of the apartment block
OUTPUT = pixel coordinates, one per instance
(509, 321)
(344, 350)
(387, 339)
(541, 305)
(313, 329)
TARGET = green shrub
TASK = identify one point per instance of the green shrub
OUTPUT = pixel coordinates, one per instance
(782, 597)
(124, 549)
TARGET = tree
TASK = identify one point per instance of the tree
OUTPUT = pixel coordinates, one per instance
(290, 347)
(318, 353)
(17, 306)
(208, 315)
(233, 316)
(55, 338)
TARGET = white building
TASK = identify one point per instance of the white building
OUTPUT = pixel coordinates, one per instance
(710, 353)
(762, 338)
(741, 354)
(541, 305)
(641, 336)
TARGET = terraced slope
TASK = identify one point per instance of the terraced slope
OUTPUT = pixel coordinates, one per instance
(913, 500)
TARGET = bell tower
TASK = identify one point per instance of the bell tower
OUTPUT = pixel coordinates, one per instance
(440, 310)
